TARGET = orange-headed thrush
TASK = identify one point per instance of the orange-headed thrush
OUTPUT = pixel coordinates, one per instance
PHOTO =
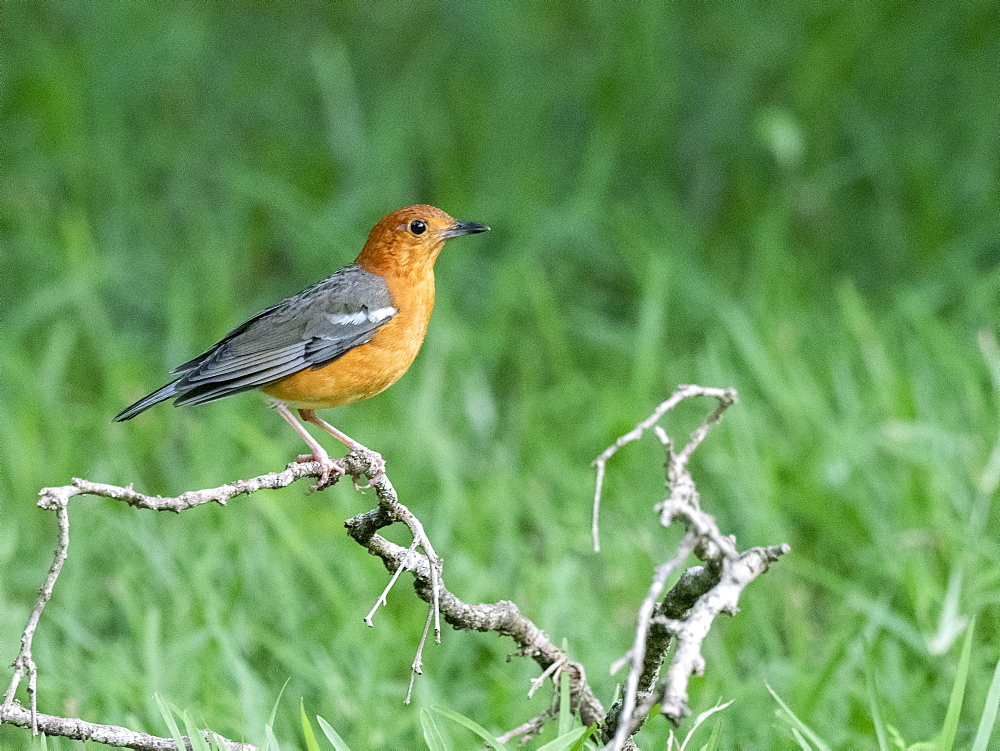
(344, 339)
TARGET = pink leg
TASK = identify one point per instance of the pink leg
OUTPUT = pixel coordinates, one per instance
(309, 415)
(318, 452)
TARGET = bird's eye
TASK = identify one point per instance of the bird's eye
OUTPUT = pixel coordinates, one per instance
(417, 227)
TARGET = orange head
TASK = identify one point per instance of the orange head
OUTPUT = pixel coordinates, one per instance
(408, 241)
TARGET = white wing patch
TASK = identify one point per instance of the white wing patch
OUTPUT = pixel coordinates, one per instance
(346, 318)
(376, 316)
(371, 316)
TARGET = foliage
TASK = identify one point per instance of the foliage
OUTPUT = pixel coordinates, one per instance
(796, 200)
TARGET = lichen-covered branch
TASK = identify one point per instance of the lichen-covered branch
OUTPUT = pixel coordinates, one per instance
(54, 498)
(57, 499)
(681, 615)
(502, 617)
(691, 630)
(109, 735)
(687, 611)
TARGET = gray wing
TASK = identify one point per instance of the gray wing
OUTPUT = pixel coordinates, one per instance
(309, 330)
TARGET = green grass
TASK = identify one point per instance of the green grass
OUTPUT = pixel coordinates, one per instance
(799, 203)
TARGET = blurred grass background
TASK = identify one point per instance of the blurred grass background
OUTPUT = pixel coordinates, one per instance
(796, 200)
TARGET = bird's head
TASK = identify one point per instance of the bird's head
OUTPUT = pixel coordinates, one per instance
(409, 240)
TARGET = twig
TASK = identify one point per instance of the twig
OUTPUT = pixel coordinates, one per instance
(529, 729)
(418, 660)
(109, 735)
(24, 664)
(385, 592)
(502, 617)
(622, 661)
(53, 498)
(726, 397)
(57, 499)
(663, 572)
(397, 512)
(687, 660)
(552, 671)
(688, 610)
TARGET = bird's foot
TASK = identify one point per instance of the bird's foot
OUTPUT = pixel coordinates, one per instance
(377, 461)
(330, 470)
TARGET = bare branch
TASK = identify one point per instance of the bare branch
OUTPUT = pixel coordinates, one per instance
(526, 731)
(683, 614)
(552, 671)
(737, 573)
(503, 617)
(687, 611)
(726, 397)
(418, 660)
(382, 598)
(53, 498)
(638, 651)
(397, 512)
(57, 499)
(109, 735)
(24, 664)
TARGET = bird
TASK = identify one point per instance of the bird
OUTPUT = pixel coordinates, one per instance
(346, 338)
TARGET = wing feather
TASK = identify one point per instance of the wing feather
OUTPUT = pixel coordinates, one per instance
(222, 368)
(309, 330)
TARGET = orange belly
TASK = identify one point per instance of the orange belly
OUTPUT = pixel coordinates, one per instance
(364, 371)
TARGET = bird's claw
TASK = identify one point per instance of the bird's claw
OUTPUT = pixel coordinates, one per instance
(379, 463)
(330, 470)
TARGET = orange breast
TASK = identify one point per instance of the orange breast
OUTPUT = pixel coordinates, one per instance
(368, 369)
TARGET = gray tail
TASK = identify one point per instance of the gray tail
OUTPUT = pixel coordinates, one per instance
(147, 401)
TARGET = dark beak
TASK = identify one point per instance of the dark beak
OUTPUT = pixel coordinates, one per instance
(464, 228)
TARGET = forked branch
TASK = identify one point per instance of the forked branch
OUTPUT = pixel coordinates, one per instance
(687, 611)
(683, 614)
(420, 559)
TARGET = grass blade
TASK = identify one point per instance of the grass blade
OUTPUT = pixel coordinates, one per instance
(701, 718)
(472, 725)
(713, 741)
(198, 742)
(566, 740)
(168, 718)
(582, 740)
(803, 743)
(274, 709)
(432, 734)
(271, 742)
(338, 743)
(307, 729)
(988, 721)
(950, 729)
(871, 686)
(799, 728)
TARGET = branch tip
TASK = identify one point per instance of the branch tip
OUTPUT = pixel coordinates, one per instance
(681, 615)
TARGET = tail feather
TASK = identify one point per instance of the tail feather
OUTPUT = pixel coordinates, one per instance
(147, 401)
